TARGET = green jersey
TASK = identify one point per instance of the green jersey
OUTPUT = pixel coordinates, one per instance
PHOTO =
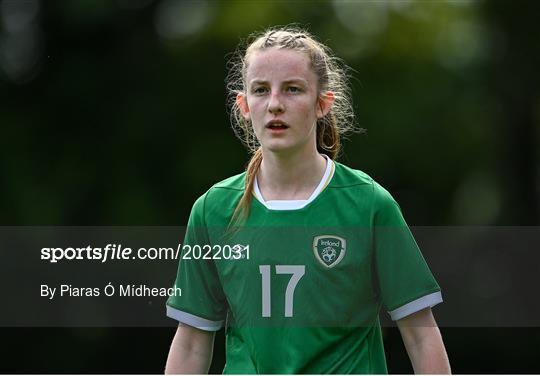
(300, 290)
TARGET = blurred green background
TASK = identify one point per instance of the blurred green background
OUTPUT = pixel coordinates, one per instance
(112, 112)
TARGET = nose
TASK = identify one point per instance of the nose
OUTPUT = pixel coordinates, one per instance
(275, 104)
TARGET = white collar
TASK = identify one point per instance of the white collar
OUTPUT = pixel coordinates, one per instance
(297, 204)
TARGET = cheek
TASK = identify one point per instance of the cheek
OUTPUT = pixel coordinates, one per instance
(308, 110)
(256, 108)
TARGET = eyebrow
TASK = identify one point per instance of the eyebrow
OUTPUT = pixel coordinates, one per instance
(289, 81)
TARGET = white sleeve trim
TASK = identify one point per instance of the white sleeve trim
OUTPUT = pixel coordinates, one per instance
(194, 321)
(416, 305)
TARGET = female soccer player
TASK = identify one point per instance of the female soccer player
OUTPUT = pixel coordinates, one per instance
(296, 256)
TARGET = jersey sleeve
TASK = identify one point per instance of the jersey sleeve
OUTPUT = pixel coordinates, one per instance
(403, 279)
(202, 303)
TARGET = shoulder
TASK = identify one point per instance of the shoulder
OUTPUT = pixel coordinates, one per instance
(221, 199)
(235, 182)
(347, 177)
(224, 189)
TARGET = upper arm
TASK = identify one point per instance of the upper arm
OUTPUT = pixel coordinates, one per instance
(194, 340)
(416, 327)
(191, 351)
(424, 343)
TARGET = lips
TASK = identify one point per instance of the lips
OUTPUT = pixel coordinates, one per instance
(276, 125)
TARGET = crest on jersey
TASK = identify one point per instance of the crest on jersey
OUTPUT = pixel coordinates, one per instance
(329, 249)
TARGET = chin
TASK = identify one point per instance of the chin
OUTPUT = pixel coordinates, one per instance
(278, 147)
(287, 145)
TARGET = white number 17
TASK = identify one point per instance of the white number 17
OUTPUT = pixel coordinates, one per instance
(296, 271)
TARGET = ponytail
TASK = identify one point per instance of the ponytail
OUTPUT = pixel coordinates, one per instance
(328, 138)
(242, 209)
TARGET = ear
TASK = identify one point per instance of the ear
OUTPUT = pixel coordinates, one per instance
(324, 104)
(241, 101)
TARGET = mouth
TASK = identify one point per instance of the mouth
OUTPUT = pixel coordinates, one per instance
(276, 125)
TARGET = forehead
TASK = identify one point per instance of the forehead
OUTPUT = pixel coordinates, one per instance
(279, 64)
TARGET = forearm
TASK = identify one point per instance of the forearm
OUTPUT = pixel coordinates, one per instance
(428, 356)
(188, 357)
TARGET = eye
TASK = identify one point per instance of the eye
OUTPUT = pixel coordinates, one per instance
(294, 89)
(259, 90)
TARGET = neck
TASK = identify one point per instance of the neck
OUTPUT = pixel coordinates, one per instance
(292, 176)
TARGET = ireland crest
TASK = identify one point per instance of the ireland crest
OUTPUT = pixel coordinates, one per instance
(329, 249)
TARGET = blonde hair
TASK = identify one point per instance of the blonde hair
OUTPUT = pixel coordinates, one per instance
(332, 76)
